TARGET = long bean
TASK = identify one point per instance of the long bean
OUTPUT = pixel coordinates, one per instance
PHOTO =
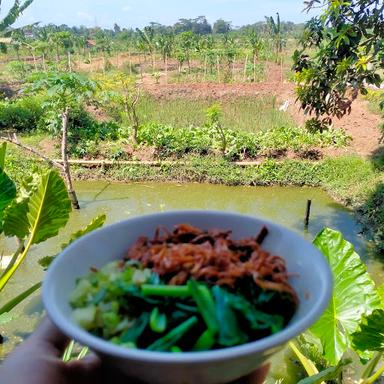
(165, 290)
(205, 304)
(172, 337)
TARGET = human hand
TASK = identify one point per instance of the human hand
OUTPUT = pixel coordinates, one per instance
(38, 361)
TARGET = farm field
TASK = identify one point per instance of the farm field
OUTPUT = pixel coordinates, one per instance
(114, 123)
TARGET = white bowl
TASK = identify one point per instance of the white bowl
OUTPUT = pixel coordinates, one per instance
(312, 281)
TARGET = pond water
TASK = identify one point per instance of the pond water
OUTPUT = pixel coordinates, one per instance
(285, 205)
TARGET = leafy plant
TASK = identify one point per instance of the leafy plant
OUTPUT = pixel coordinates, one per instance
(65, 91)
(347, 39)
(353, 319)
(32, 214)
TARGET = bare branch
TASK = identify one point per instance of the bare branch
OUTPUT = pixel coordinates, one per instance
(14, 140)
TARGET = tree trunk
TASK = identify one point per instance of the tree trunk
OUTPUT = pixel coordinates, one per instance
(69, 62)
(218, 68)
(44, 65)
(166, 69)
(64, 157)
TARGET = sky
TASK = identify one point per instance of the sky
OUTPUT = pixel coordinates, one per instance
(138, 13)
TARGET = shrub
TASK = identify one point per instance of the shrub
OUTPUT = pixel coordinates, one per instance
(170, 141)
(22, 115)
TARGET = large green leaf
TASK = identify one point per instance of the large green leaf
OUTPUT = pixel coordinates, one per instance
(16, 215)
(7, 194)
(3, 149)
(370, 336)
(96, 223)
(354, 295)
(48, 208)
(15, 219)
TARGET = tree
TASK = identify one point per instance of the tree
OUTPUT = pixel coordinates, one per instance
(18, 7)
(221, 26)
(147, 41)
(65, 91)
(256, 44)
(276, 32)
(187, 42)
(60, 40)
(165, 45)
(121, 92)
(349, 55)
(116, 28)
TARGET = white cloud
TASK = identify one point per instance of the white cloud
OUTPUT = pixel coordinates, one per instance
(84, 15)
(127, 8)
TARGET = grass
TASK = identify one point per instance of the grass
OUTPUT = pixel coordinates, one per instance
(251, 114)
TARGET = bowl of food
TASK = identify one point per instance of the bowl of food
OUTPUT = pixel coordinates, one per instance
(187, 296)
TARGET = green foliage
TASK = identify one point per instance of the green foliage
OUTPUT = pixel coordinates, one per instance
(63, 90)
(22, 115)
(170, 141)
(354, 295)
(41, 213)
(327, 374)
(7, 194)
(369, 336)
(348, 41)
(15, 11)
(18, 69)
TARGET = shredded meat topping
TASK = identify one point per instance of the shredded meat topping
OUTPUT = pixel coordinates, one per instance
(211, 256)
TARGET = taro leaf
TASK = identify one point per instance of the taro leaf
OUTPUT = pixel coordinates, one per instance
(15, 219)
(330, 373)
(48, 211)
(370, 336)
(96, 223)
(3, 149)
(48, 208)
(354, 295)
(7, 194)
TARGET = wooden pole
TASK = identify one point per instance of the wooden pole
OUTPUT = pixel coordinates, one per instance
(69, 62)
(218, 68)
(307, 213)
(205, 68)
(245, 68)
(166, 69)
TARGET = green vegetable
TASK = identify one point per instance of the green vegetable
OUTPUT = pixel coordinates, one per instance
(172, 337)
(166, 290)
(205, 304)
(85, 317)
(229, 331)
(158, 321)
(134, 332)
(205, 342)
(256, 318)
